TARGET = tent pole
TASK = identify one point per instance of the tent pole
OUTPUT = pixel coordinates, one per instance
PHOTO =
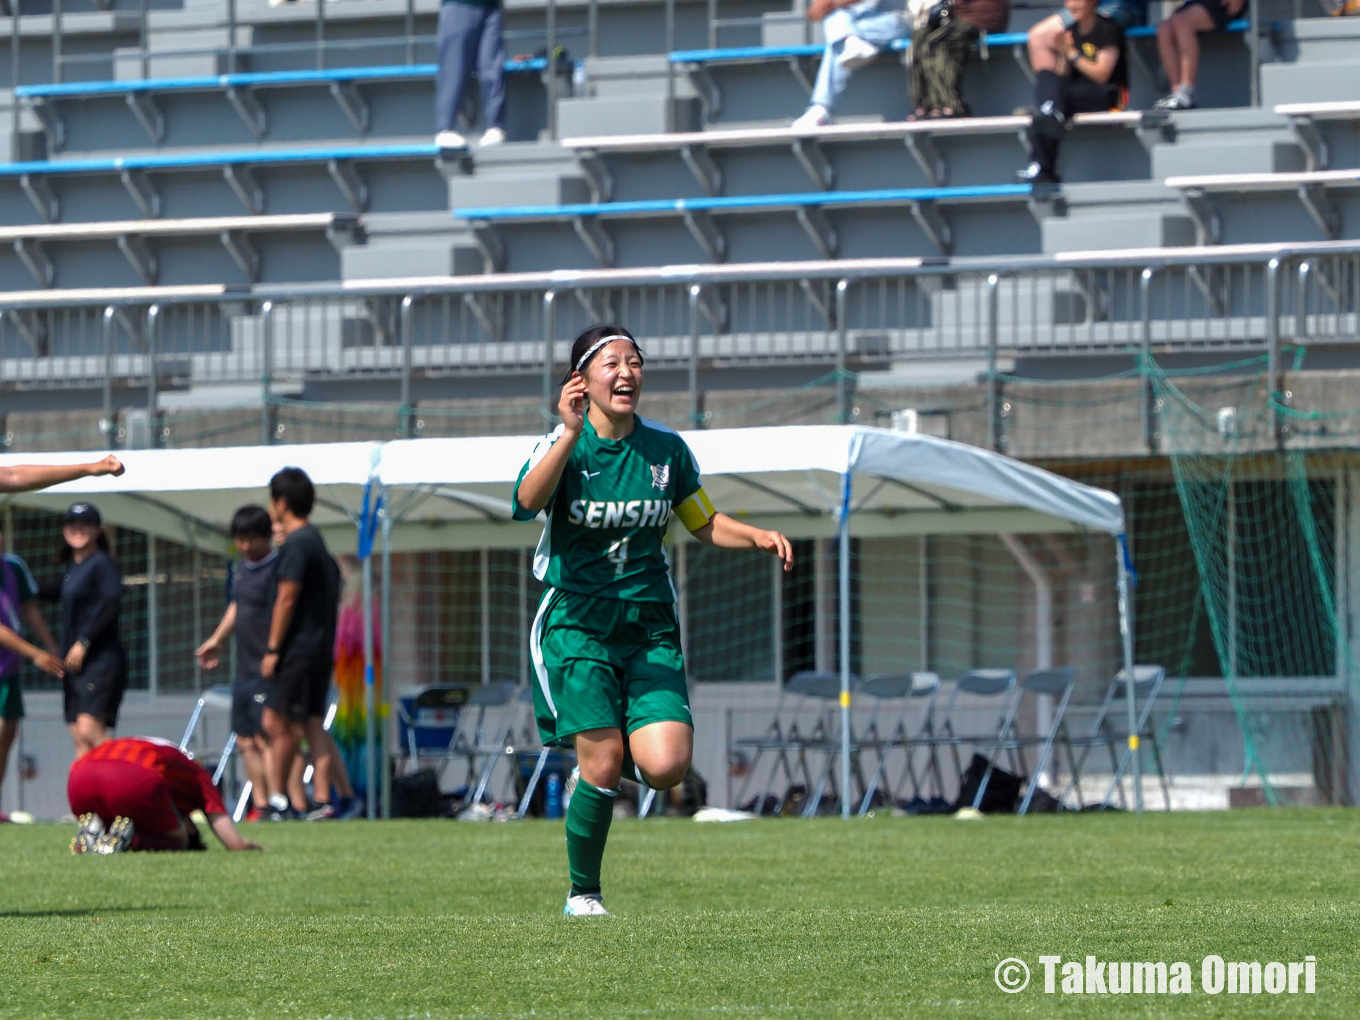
(385, 600)
(370, 731)
(845, 645)
(1126, 634)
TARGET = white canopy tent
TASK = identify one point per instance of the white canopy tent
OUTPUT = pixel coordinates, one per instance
(807, 481)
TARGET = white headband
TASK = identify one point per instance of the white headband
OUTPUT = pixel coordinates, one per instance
(590, 352)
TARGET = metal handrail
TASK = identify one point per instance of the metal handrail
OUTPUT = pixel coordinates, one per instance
(561, 281)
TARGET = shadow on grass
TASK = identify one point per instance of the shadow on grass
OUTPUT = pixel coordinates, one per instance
(91, 911)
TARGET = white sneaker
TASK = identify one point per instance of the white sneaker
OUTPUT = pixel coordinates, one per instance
(450, 140)
(589, 905)
(856, 52)
(492, 136)
(814, 117)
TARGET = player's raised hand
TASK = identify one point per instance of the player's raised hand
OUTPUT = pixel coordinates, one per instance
(775, 543)
(209, 653)
(572, 405)
(48, 663)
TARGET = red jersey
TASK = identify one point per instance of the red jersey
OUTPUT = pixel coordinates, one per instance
(189, 784)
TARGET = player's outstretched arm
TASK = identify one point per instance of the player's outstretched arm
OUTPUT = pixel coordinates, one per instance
(225, 830)
(25, 477)
(728, 533)
(45, 661)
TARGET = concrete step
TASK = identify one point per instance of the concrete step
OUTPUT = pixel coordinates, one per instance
(396, 258)
(625, 77)
(1311, 82)
(529, 188)
(1208, 157)
(622, 115)
(1093, 230)
(1321, 40)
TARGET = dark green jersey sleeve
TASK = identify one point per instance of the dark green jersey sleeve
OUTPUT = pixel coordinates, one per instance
(518, 512)
(686, 473)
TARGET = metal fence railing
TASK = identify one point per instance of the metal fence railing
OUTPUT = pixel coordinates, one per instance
(838, 316)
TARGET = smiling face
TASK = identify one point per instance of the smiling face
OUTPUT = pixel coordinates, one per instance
(80, 535)
(614, 379)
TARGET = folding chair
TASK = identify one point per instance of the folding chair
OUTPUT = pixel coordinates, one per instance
(1055, 683)
(1107, 731)
(218, 696)
(482, 739)
(529, 737)
(429, 720)
(902, 689)
(825, 738)
(986, 684)
(805, 692)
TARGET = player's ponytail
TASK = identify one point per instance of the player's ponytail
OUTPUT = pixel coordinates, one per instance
(591, 341)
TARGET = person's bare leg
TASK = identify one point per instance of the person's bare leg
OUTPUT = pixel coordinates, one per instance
(9, 729)
(1043, 44)
(329, 763)
(87, 733)
(253, 759)
(662, 750)
(1170, 53)
(282, 748)
(1188, 24)
(297, 789)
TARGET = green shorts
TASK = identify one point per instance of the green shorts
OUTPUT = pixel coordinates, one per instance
(11, 698)
(603, 663)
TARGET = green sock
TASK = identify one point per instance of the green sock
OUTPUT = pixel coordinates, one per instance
(588, 817)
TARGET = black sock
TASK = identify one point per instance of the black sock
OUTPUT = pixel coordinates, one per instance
(1048, 87)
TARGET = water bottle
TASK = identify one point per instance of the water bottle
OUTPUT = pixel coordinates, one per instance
(578, 79)
(553, 796)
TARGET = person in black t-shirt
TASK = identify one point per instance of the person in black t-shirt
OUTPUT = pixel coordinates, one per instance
(299, 658)
(91, 595)
(1091, 76)
(248, 616)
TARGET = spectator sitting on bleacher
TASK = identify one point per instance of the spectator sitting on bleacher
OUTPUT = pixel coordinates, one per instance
(856, 32)
(940, 48)
(1178, 43)
(1089, 75)
(1046, 37)
(470, 39)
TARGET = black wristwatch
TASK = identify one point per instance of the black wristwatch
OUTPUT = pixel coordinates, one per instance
(271, 650)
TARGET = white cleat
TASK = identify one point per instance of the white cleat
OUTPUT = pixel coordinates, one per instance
(91, 828)
(587, 905)
(814, 117)
(856, 52)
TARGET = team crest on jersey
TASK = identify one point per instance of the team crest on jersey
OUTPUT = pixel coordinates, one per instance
(661, 476)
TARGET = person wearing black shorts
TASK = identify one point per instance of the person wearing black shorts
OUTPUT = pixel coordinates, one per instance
(299, 658)
(1178, 44)
(91, 595)
(248, 615)
(1091, 76)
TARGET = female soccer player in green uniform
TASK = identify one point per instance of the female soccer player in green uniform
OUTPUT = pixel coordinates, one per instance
(605, 642)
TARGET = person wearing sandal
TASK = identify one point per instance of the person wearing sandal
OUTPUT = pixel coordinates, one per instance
(940, 47)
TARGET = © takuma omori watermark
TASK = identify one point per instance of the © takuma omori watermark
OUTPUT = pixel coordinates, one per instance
(1212, 976)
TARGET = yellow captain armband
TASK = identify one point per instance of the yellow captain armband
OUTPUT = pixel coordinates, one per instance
(696, 511)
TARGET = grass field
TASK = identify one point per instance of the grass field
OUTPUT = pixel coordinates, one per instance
(879, 918)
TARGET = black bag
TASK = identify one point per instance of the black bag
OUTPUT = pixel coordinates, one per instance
(939, 13)
(1003, 789)
(417, 795)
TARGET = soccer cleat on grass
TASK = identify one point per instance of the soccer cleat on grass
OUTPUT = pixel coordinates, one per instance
(585, 905)
(91, 828)
(117, 839)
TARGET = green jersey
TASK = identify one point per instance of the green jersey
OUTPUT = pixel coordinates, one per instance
(606, 524)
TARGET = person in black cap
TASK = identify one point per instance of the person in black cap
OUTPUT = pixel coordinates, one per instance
(90, 593)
